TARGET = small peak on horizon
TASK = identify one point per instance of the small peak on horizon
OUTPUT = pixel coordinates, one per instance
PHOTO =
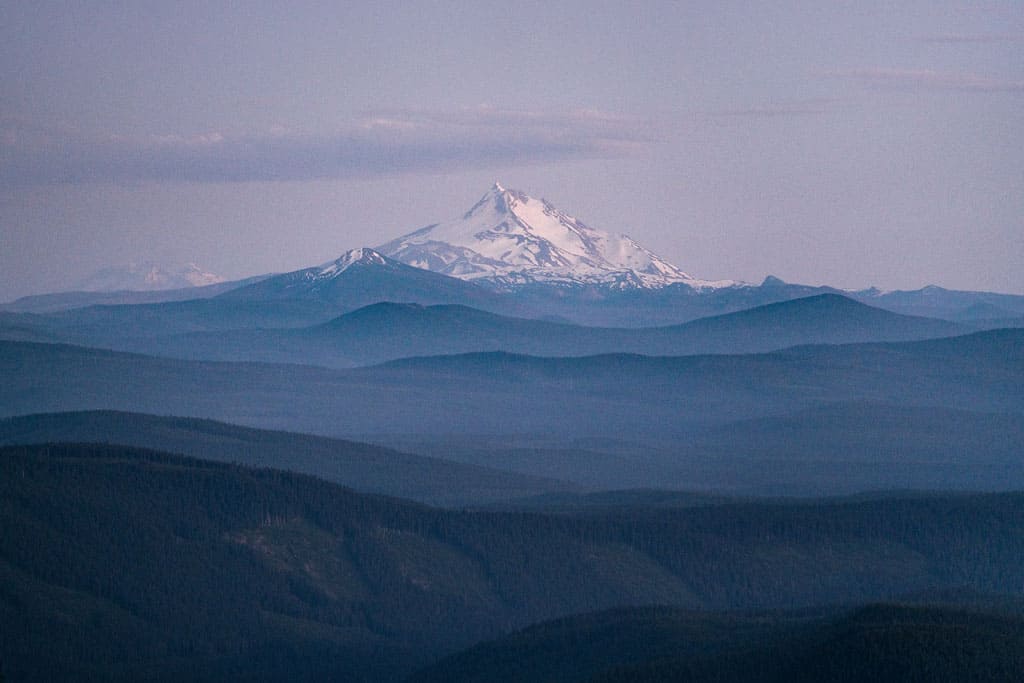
(359, 255)
(498, 187)
(147, 275)
(362, 254)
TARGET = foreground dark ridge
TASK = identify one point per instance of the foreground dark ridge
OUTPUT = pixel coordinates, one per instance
(118, 562)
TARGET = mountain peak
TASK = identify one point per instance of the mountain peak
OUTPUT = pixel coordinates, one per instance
(509, 238)
(363, 256)
(499, 199)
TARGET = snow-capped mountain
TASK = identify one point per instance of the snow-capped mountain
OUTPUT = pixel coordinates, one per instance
(147, 276)
(509, 239)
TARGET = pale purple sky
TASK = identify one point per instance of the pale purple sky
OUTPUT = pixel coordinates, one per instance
(852, 144)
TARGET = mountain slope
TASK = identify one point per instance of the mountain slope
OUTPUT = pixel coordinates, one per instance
(508, 238)
(359, 466)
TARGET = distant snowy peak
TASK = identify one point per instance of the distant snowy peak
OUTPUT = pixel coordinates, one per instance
(147, 276)
(510, 238)
(199, 277)
(362, 256)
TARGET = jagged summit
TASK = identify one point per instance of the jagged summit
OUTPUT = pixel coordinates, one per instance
(360, 256)
(509, 238)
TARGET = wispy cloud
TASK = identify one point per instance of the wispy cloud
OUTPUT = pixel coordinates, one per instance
(377, 143)
(779, 109)
(974, 38)
(925, 79)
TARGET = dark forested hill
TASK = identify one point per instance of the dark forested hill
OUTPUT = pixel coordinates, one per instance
(360, 466)
(118, 562)
(880, 642)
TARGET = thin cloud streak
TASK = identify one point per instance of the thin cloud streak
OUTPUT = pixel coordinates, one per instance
(379, 143)
(926, 79)
(786, 109)
(975, 38)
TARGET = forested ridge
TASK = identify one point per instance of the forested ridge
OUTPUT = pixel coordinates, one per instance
(118, 561)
